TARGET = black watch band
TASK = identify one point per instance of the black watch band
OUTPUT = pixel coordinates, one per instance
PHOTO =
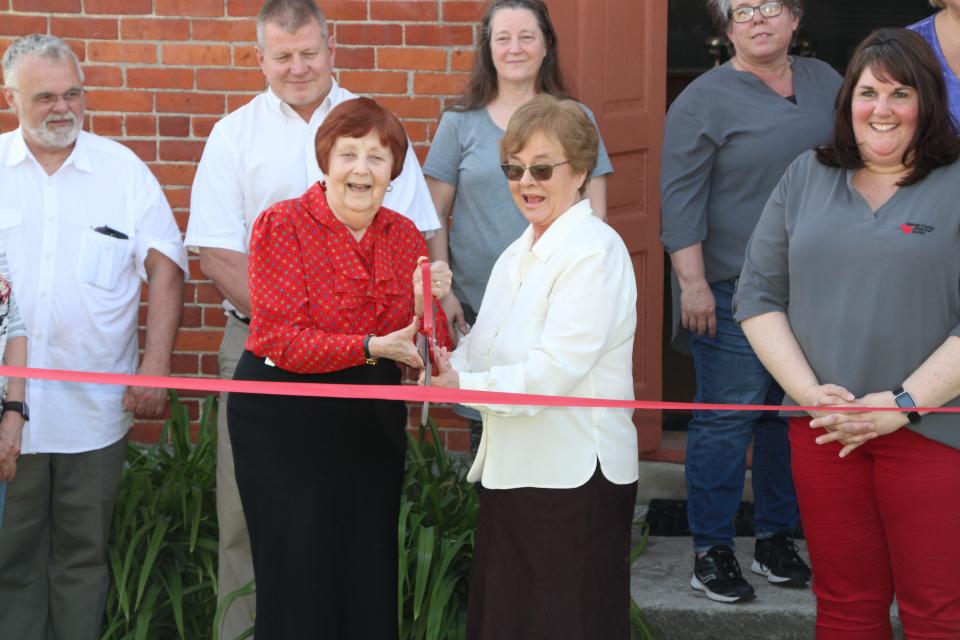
(366, 350)
(15, 405)
(905, 401)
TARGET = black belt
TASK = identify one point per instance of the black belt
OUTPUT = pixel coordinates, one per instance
(239, 317)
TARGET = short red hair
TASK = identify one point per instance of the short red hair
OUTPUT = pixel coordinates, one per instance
(355, 119)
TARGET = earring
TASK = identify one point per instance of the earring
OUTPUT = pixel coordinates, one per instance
(390, 187)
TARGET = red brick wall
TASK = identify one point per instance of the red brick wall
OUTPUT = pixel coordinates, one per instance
(160, 73)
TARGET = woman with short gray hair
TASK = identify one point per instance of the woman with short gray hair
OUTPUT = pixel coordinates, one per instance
(941, 30)
(727, 140)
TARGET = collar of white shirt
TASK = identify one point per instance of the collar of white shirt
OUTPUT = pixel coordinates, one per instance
(335, 96)
(18, 152)
(553, 237)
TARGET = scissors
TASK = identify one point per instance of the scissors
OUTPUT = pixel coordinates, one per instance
(426, 338)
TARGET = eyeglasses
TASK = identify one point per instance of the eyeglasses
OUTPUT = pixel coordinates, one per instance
(47, 99)
(767, 10)
(539, 172)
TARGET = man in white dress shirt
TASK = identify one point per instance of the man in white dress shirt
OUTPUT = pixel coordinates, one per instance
(84, 223)
(256, 156)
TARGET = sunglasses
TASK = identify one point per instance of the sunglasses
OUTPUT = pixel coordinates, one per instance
(539, 172)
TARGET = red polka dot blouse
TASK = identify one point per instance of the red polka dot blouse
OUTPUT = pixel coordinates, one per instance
(316, 291)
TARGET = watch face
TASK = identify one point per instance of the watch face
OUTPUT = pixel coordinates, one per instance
(905, 401)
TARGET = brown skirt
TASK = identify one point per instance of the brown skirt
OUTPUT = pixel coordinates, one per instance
(552, 563)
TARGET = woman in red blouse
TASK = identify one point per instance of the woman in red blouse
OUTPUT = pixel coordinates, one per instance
(333, 301)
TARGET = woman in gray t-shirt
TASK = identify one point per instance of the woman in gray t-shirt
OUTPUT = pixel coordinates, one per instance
(516, 58)
(850, 296)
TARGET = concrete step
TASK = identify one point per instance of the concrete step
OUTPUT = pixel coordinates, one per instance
(660, 585)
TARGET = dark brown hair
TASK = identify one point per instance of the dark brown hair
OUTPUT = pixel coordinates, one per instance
(902, 56)
(481, 88)
(355, 119)
(559, 118)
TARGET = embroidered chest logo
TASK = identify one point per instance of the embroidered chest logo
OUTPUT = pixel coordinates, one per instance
(915, 227)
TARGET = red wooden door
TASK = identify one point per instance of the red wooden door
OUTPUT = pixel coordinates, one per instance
(615, 54)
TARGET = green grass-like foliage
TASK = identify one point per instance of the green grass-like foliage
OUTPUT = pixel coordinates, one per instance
(163, 547)
(438, 517)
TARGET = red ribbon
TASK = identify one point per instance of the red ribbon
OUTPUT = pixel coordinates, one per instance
(402, 392)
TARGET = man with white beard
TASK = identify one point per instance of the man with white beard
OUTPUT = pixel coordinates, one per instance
(84, 223)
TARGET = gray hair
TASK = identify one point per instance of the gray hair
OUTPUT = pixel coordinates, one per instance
(720, 11)
(37, 44)
(290, 15)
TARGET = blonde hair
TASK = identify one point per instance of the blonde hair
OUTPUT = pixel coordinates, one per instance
(562, 119)
(938, 4)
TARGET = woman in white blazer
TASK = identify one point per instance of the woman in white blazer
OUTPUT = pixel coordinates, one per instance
(558, 317)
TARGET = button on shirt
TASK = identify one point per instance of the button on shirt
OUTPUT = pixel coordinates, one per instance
(558, 318)
(79, 290)
(263, 153)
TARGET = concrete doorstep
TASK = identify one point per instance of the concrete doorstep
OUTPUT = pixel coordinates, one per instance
(660, 583)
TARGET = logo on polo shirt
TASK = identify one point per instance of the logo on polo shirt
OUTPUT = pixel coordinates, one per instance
(915, 227)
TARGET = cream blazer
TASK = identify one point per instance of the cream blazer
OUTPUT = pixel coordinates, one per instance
(558, 318)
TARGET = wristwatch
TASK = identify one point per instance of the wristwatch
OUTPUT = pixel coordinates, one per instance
(905, 401)
(369, 359)
(19, 407)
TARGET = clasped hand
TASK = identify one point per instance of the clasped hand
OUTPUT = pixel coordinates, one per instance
(852, 428)
(440, 279)
(444, 375)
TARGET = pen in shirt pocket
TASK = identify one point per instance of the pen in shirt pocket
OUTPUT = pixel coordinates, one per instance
(111, 232)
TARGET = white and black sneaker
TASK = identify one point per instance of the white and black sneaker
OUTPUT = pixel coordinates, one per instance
(778, 559)
(718, 575)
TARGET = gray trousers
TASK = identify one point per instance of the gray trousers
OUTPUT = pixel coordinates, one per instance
(236, 562)
(53, 544)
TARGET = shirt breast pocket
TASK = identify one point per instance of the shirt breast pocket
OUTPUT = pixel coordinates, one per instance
(10, 219)
(103, 258)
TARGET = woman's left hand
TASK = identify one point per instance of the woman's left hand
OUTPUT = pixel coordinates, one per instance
(440, 279)
(444, 375)
(398, 346)
(854, 429)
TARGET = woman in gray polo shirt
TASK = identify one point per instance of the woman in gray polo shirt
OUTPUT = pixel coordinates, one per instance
(728, 138)
(850, 295)
(517, 57)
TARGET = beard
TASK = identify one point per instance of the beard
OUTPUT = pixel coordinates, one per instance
(59, 137)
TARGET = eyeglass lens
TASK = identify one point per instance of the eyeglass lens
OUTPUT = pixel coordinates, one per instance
(767, 10)
(540, 172)
(50, 98)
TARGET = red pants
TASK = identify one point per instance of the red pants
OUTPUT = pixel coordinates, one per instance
(883, 520)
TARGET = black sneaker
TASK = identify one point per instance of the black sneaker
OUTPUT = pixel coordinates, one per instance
(718, 575)
(778, 560)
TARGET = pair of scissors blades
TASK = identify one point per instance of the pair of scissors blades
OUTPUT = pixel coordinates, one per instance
(426, 338)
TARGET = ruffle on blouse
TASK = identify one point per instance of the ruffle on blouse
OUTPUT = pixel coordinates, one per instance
(353, 283)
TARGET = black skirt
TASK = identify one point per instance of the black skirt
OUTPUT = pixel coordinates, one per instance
(320, 482)
(553, 563)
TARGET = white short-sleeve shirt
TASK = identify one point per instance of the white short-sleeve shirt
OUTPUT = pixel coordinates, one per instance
(263, 153)
(78, 289)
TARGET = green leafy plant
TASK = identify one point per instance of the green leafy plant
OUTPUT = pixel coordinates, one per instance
(163, 548)
(438, 518)
(641, 630)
